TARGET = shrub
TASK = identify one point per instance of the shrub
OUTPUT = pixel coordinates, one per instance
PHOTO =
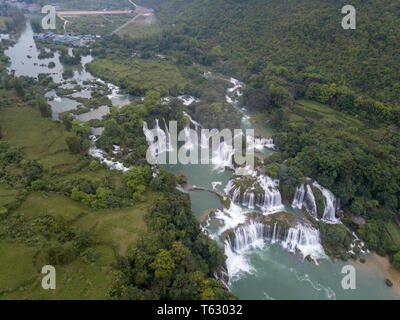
(38, 185)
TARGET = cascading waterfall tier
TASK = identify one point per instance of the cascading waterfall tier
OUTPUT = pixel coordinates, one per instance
(305, 239)
(304, 197)
(262, 193)
(257, 232)
(298, 197)
(156, 146)
(271, 201)
(309, 202)
(330, 204)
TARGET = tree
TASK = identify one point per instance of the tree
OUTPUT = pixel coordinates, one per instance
(66, 120)
(163, 266)
(74, 144)
(396, 260)
(94, 166)
(43, 106)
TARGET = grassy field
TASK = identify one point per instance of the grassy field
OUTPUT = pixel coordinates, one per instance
(7, 195)
(113, 230)
(140, 30)
(144, 73)
(307, 110)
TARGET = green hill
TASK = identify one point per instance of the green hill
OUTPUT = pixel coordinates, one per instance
(305, 36)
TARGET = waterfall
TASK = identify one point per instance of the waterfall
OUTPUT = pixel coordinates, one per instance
(273, 240)
(298, 197)
(309, 202)
(260, 144)
(248, 200)
(100, 155)
(245, 201)
(195, 123)
(251, 201)
(305, 239)
(222, 157)
(158, 146)
(188, 139)
(236, 195)
(149, 135)
(271, 201)
(188, 100)
(168, 137)
(248, 236)
(229, 187)
(330, 204)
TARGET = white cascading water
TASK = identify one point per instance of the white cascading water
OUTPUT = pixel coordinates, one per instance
(251, 201)
(168, 137)
(248, 236)
(229, 187)
(189, 143)
(309, 202)
(222, 157)
(236, 195)
(149, 135)
(260, 144)
(273, 239)
(271, 201)
(248, 200)
(159, 146)
(306, 240)
(330, 204)
(197, 125)
(99, 154)
(298, 197)
(188, 100)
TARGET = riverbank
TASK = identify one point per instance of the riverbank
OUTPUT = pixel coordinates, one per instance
(381, 267)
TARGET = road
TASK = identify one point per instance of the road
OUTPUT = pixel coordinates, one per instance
(140, 11)
(82, 13)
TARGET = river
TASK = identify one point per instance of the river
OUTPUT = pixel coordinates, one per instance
(265, 269)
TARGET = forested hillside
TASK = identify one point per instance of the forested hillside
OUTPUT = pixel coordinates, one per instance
(304, 35)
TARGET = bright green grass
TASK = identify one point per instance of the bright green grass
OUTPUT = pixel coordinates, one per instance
(7, 195)
(77, 280)
(16, 266)
(41, 139)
